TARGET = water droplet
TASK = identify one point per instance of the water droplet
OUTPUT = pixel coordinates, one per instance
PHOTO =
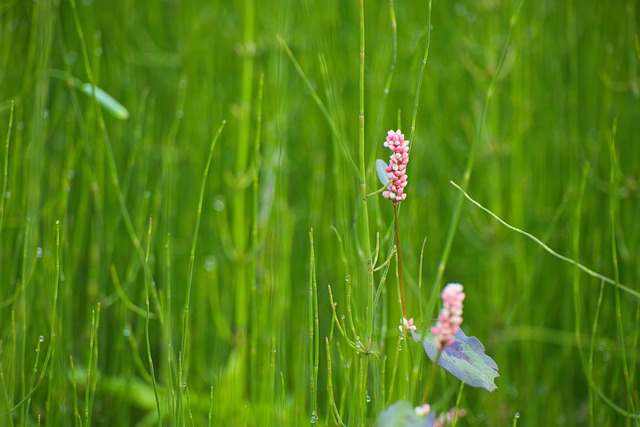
(368, 399)
(517, 415)
(147, 194)
(39, 252)
(126, 332)
(98, 52)
(348, 278)
(210, 263)
(314, 417)
(7, 195)
(71, 173)
(179, 114)
(45, 114)
(71, 57)
(218, 203)
(62, 278)
(41, 338)
(343, 317)
(399, 348)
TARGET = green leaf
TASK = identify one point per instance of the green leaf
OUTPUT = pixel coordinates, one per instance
(107, 101)
(464, 359)
(382, 173)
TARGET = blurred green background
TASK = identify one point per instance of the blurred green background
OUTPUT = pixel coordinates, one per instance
(99, 213)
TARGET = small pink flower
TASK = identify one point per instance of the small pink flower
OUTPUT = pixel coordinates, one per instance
(450, 317)
(422, 410)
(408, 325)
(447, 418)
(397, 169)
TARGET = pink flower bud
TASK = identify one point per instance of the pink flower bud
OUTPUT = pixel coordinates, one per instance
(396, 171)
(450, 317)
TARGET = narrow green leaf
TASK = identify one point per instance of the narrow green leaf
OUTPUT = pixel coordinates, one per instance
(116, 109)
(381, 171)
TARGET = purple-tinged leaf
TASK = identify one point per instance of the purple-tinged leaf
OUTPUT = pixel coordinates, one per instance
(403, 414)
(382, 173)
(464, 359)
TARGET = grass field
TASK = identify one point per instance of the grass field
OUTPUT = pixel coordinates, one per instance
(171, 244)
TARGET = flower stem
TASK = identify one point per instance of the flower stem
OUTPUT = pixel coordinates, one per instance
(400, 274)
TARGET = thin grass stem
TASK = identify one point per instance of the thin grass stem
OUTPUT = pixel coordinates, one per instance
(185, 319)
(548, 249)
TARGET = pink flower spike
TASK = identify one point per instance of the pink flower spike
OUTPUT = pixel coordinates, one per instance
(397, 169)
(450, 317)
(408, 325)
(423, 410)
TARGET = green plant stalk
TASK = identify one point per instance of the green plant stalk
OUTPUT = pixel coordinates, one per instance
(23, 315)
(332, 409)
(76, 408)
(182, 360)
(613, 192)
(576, 276)
(421, 74)
(314, 331)
(54, 322)
(458, 400)
(92, 366)
(421, 303)
(210, 416)
(255, 332)
(387, 86)
(5, 174)
(437, 283)
(239, 223)
(370, 309)
(3, 194)
(146, 326)
(592, 346)
(33, 378)
(43, 22)
(169, 170)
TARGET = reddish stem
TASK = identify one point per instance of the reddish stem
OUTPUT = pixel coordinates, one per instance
(400, 275)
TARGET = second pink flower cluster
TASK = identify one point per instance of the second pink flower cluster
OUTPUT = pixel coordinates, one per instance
(450, 317)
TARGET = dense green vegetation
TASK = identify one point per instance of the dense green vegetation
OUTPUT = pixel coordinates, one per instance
(140, 282)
